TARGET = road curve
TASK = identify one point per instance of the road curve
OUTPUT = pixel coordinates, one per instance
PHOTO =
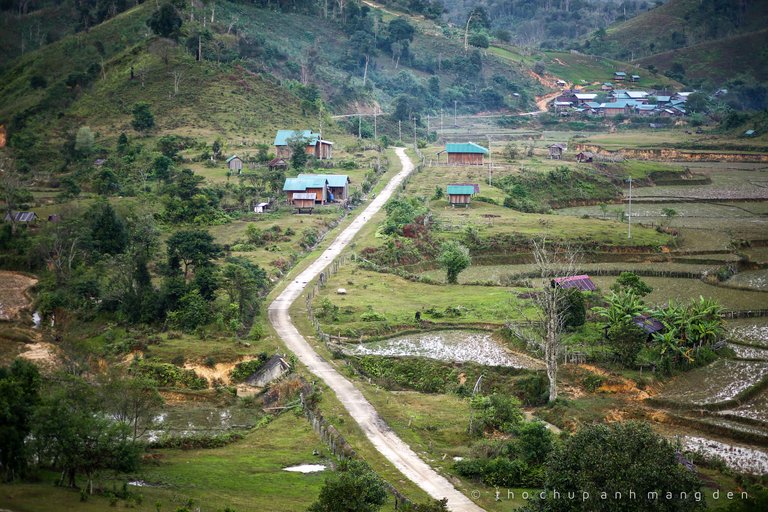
(374, 427)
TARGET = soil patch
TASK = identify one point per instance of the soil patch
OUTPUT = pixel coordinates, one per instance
(14, 297)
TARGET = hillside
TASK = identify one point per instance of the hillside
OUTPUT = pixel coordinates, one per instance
(710, 39)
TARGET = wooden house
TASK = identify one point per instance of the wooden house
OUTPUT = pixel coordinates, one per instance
(585, 157)
(235, 164)
(461, 195)
(316, 146)
(619, 76)
(607, 86)
(338, 185)
(304, 201)
(556, 151)
(467, 153)
(315, 184)
(635, 78)
(616, 108)
(584, 98)
(581, 282)
(277, 163)
(261, 208)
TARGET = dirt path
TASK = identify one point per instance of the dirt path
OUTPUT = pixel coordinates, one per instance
(376, 430)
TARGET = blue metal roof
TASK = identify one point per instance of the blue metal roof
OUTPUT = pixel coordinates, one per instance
(334, 180)
(461, 190)
(232, 158)
(466, 147)
(304, 183)
(281, 139)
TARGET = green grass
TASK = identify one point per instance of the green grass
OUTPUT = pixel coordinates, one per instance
(246, 475)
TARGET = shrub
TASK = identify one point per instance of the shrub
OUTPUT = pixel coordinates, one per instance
(243, 370)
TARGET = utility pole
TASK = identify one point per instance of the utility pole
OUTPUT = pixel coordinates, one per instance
(455, 123)
(415, 146)
(441, 122)
(359, 126)
(375, 131)
(427, 126)
(490, 161)
(400, 130)
(629, 211)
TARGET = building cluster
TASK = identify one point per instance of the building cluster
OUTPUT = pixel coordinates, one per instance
(622, 102)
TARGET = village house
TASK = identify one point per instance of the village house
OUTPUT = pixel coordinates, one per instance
(316, 146)
(21, 217)
(338, 185)
(583, 98)
(556, 151)
(316, 185)
(616, 108)
(461, 194)
(635, 78)
(467, 153)
(235, 164)
(607, 86)
(277, 163)
(585, 157)
(619, 76)
(275, 367)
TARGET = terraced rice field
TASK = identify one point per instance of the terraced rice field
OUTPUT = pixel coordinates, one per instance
(749, 330)
(740, 458)
(753, 280)
(451, 346)
(754, 409)
(723, 380)
(749, 351)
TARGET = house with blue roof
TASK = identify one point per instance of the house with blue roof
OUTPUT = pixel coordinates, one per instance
(316, 146)
(464, 153)
(337, 185)
(619, 75)
(312, 184)
(461, 193)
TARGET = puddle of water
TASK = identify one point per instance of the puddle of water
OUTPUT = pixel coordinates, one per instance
(451, 346)
(187, 420)
(306, 468)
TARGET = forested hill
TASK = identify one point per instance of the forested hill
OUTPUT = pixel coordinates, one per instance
(543, 23)
(240, 68)
(702, 42)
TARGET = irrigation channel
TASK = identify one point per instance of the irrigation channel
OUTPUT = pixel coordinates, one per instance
(376, 430)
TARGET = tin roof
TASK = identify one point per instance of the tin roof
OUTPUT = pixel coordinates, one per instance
(281, 139)
(232, 158)
(466, 147)
(21, 216)
(648, 324)
(304, 183)
(475, 185)
(334, 180)
(461, 190)
(582, 282)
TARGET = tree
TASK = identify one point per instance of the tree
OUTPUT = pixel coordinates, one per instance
(601, 460)
(453, 258)
(298, 147)
(632, 282)
(552, 300)
(165, 22)
(84, 141)
(697, 102)
(193, 312)
(191, 248)
(72, 433)
(12, 192)
(353, 488)
(669, 213)
(133, 400)
(19, 395)
(243, 281)
(143, 120)
(108, 232)
(494, 412)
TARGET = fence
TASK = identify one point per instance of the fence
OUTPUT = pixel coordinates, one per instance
(341, 448)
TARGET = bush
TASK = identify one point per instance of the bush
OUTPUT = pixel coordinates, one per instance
(533, 390)
(243, 370)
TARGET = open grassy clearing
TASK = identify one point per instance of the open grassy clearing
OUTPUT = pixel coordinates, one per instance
(398, 300)
(246, 475)
(673, 137)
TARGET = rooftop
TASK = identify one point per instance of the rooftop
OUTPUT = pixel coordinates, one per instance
(281, 139)
(582, 282)
(334, 180)
(461, 190)
(465, 147)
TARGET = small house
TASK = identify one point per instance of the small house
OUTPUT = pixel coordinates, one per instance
(275, 367)
(635, 78)
(461, 194)
(235, 164)
(619, 76)
(338, 185)
(750, 133)
(607, 86)
(561, 83)
(583, 98)
(562, 106)
(585, 157)
(304, 201)
(648, 324)
(314, 184)
(582, 283)
(316, 146)
(277, 163)
(54, 217)
(556, 151)
(261, 208)
(615, 108)
(21, 217)
(467, 153)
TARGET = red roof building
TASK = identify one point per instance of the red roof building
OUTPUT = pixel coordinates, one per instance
(582, 282)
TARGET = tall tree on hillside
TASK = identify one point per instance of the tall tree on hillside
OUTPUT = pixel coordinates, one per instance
(19, 394)
(191, 249)
(551, 260)
(165, 21)
(298, 146)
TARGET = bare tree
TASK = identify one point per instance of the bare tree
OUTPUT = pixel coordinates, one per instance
(177, 76)
(552, 261)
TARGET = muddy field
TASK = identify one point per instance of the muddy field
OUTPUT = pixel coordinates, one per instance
(14, 296)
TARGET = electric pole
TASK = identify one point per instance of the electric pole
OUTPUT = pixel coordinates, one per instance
(455, 123)
(629, 211)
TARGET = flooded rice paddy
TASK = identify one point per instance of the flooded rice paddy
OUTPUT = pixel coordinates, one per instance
(739, 458)
(722, 380)
(199, 418)
(450, 346)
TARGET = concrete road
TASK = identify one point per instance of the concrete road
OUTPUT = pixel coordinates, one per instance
(374, 427)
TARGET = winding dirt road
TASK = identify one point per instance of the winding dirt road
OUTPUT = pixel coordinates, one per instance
(374, 427)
